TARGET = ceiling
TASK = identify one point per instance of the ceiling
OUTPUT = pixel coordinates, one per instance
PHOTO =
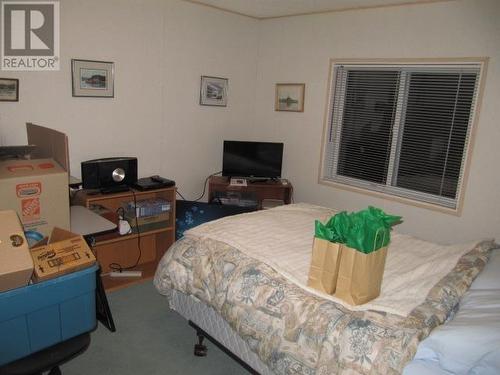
(262, 9)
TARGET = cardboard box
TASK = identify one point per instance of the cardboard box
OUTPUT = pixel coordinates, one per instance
(16, 265)
(65, 252)
(37, 189)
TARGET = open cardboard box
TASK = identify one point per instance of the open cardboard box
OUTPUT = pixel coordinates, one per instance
(64, 252)
(16, 265)
(37, 188)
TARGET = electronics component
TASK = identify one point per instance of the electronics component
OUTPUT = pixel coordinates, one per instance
(153, 182)
(252, 159)
(147, 207)
(238, 181)
(107, 173)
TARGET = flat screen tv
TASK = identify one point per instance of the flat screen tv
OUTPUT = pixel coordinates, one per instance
(252, 159)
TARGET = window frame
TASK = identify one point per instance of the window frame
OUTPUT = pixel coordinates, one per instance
(367, 188)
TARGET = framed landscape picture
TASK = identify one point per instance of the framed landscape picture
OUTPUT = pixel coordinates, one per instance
(93, 78)
(9, 90)
(290, 97)
(213, 91)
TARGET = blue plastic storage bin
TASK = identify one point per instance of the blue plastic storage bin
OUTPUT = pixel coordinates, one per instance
(40, 315)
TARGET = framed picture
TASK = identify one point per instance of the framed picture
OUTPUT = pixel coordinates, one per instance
(93, 78)
(213, 91)
(289, 97)
(9, 90)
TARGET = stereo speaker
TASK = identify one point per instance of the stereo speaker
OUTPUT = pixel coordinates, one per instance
(109, 172)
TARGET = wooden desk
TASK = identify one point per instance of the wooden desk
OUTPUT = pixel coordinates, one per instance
(261, 190)
(126, 250)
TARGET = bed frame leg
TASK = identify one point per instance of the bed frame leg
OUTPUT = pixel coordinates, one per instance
(200, 350)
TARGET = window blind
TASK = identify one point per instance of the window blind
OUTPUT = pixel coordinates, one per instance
(401, 129)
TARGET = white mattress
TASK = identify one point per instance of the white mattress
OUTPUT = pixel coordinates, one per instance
(211, 322)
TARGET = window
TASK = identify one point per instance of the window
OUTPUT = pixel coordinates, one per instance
(401, 129)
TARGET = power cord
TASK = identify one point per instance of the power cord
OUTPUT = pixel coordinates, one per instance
(204, 188)
(116, 266)
(180, 195)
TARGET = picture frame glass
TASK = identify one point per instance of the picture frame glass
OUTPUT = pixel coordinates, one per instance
(290, 97)
(92, 78)
(213, 91)
(9, 90)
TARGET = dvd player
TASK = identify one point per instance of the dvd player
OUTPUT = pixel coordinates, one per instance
(153, 182)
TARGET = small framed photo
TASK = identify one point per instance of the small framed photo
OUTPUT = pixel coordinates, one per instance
(9, 90)
(213, 91)
(93, 78)
(290, 97)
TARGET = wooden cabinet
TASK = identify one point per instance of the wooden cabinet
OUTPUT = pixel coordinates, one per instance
(274, 189)
(145, 248)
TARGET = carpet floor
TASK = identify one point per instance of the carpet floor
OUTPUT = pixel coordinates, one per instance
(150, 339)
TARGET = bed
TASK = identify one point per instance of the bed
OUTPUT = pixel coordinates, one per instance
(242, 280)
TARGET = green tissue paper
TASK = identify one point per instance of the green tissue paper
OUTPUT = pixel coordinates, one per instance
(367, 230)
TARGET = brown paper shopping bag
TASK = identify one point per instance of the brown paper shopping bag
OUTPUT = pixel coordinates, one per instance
(324, 268)
(360, 275)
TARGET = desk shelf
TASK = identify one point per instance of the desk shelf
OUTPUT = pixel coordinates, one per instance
(124, 250)
(260, 190)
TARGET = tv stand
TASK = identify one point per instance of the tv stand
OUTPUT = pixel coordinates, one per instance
(260, 188)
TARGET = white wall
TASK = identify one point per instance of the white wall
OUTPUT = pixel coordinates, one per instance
(298, 49)
(160, 49)
(202, 41)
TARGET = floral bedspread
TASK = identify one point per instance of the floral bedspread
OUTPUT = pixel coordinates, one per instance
(296, 332)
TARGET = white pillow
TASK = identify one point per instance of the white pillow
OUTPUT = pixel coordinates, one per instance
(490, 277)
(470, 342)
(488, 365)
(469, 339)
(424, 368)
